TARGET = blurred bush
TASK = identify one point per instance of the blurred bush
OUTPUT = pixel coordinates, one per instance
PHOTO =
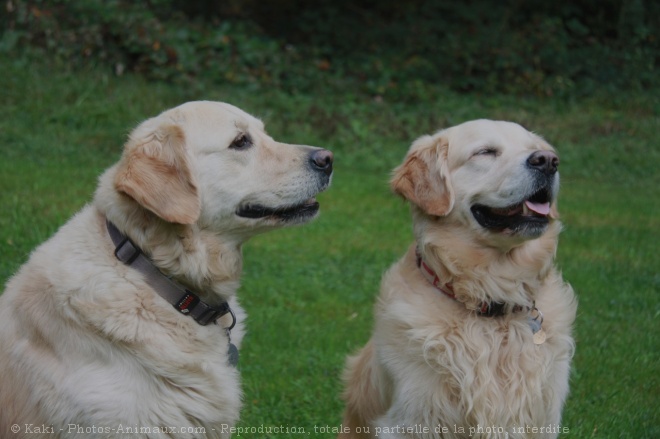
(385, 48)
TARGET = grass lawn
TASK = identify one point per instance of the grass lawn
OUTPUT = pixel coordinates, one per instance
(309, 291)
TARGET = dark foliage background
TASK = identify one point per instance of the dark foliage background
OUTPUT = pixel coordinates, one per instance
(385, 48)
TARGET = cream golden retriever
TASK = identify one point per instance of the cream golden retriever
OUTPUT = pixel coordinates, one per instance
(123, 324)
(472, 332)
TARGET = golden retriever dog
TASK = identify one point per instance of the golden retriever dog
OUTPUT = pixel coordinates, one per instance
(125, 322)
(472, 332)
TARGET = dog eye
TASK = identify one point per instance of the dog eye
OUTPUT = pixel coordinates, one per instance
(487, 151)
(243, 141)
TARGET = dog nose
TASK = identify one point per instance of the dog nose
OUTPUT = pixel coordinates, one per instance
(544, 161)
(321, 160)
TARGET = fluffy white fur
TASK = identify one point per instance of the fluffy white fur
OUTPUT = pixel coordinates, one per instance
(433, 367)
(87, 348)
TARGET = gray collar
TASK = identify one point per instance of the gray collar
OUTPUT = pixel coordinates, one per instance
(184, 300)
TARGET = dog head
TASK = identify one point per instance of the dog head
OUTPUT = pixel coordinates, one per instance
(212, 164)
(493, 178)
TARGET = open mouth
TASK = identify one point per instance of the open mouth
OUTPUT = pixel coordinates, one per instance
(299, 212)
(528, 217)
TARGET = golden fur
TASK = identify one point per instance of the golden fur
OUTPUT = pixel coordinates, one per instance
(87, 347)
(433, 367)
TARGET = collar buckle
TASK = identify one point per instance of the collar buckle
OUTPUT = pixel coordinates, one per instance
(190, 304)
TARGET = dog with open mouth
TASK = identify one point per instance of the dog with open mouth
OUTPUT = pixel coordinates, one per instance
(125, 322)
(472, 333)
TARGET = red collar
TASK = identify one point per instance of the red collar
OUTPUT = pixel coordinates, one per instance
(486, 309)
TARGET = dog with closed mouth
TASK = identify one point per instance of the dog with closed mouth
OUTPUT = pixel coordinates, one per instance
(127, 316)
(472, 333)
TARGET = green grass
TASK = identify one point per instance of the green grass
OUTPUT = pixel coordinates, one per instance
(309, 291)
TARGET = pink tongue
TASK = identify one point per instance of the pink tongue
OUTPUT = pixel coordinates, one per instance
(540, 208)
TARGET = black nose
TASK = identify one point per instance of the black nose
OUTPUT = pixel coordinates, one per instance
(321, 160)
(544, 161)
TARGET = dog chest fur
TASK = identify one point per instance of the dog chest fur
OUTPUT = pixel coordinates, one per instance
(473, 369)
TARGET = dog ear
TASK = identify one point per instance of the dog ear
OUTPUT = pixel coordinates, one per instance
(155, 171)
(423, 178)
